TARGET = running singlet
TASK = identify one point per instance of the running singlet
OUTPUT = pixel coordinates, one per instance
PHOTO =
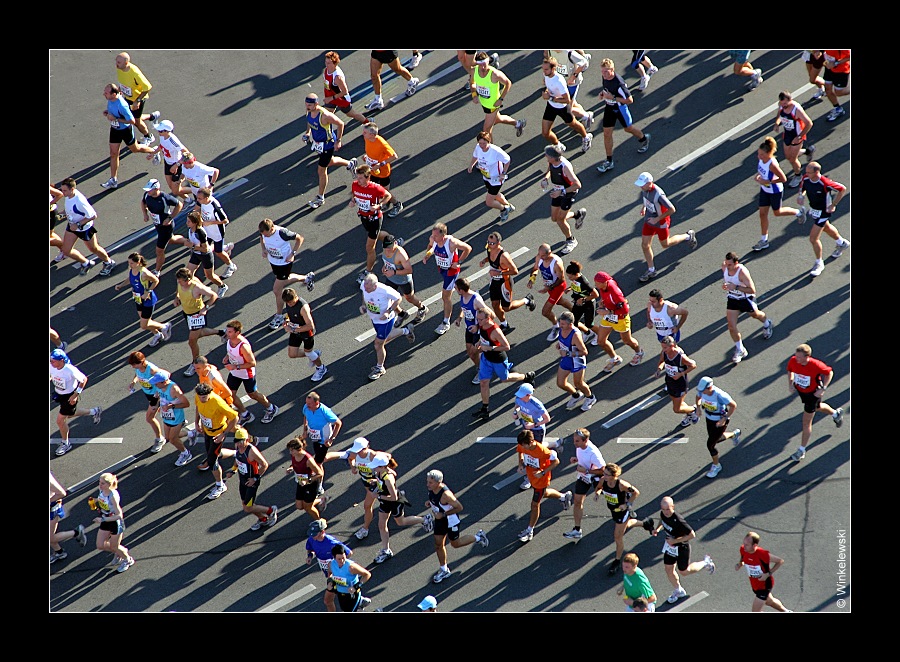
(446, 262)
(488, 91)
(764, 168)
(548, 272)
(139, 286)
(493, 355)
(469, 308)
(558, 179)
(735, 280)
(235, 357)
(322, 135)
(674, 367)
(662, 321)
(246, 467)
(171, 416)
(615, 496)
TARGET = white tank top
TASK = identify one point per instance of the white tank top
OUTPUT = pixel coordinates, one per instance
(735, 280)
(765, 171)
(662, 321)
(236, 358)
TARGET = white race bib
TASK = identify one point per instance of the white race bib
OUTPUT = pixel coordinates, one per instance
(317, 147)
(196, 321)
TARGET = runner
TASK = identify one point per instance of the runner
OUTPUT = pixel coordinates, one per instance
(275, 242)
(240, 362)
(657, 213)
(810, 377)
(666, 317)
(760, 566)
(392, 502)
(318, 548)
(620, 496)
(675, 365)
(143, 282)
(490, 86)
(537, 462)
(380, 156)
(740, 292)
(819, 190)
(143, 371)
(251, 465)
(493, 164)
(677, 549)
(398, 270)
(172, 403)
(617, 97)
(443, 522)
(68, 383)
(368, 199)
(301, 330)
(380, 304)
(613, 311)
(559, 104)
(214, 418)
(718, 407)
(588, 473)
(308, 474)
(469, 304)
(324, 134)
(189, 296)
(449, 252)
(337, 95)
(771, 180)
(549, 266)
(494, 362)
(161, 208)
(501, 271)
(573, 353)
(562, 184)
(111, 519)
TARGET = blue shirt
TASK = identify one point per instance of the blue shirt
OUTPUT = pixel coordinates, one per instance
(322, 549)
(173, 416)
(118, 108)
(532, 411)
(344, 580)
(318, 420)
(714, 406)
(144, 378)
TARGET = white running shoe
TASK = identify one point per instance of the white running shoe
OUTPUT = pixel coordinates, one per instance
(361, 533)
(270, 414)
(586, 142)
(183, 458)
(110, 183)
(587, 120)
(320, 373)
(839, 249)
(229, 271)
(588, 403)
(714, 471)
(415, 62)
(375, 104)
(676, 595)
(553, 336)
(277, 322)
(645, 80)
(575, 401)
(217, 491)
(440, 576)
(525, 484)
(818, 268)
(411, 86)
(317, 201)
(442, 328)
(739, 355)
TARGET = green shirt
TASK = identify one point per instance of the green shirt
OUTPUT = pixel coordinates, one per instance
(637, 585)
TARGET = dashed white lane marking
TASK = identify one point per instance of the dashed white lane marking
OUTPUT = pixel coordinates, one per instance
(684, 604)
(293, 597)
(652, 440)
(632, 411)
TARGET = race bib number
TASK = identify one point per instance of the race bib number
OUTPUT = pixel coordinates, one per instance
(59, 384)
(803, 381)
(611, 318)
(196, 321)
(273, 252)
(530, 461)
(788, 124)
(668, 549)
(324, 565)
(562, 69)
(483, 91)
(469, 315)
(444, 262)
(672, 371)
(370, 162)
(114, 124)
(302, 479)
(660, 325)
(126, 91)
(372, 307)
(138, 298)
(143, 383)
(315, 435)
(155, 218)
(611, 499)
(339, 581)
(585, 478)
(754, 571)
(318, 148)
(206, 422)
(815, 213)
(168, 415)
(242, 468)
(364, 205)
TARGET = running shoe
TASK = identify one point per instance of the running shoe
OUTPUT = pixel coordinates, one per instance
(361, 533)
(612, 363)
(606, 165)
(676, 595)
(376, 372)
(440, 576)
(428, 522)
(411, 86)
(384, 555)
(570, 245)
(798, 455)
(739, 355)
(270, 414)
(575, 401)
(526, 535)
(586, 142)
(277, 322)
(442, 328)
(818, 268)
(217, 491)
(760, 245)
(375, 104)
(310, 279)
(481, 538)
(644, 145)
(553, 336)
(836, 112)
(317, 201)
(767, 329)
(692, 239)
(650, 274)
(520, 127)
(416, 60)
(107, 268)
(351, 164)
(184, 457)
(320, 373)
(839, 249)
(574, 534)
(112, 183)
(530, 304)
(637, 358)
(396, 208)
(86, 267)
(579, 218)
(588, 403)
(838, 417)
(710, 564)
(714, 471)
(96, 413)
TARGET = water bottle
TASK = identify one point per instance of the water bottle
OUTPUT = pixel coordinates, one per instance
(92, 503)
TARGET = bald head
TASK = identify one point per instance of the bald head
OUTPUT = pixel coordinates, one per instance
(667, 504)
(123, 60)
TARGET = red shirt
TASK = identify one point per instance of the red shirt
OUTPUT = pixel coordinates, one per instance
(613, 298)
(807, 378)
(756, 564)
(366, 196)
(843, 68)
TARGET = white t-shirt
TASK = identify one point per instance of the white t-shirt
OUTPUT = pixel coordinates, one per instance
(78, 209)
(377, 302)
(556, 85)
(171, 148)
(589, 457)
(197, 176)
(488, 163)
(66, 379)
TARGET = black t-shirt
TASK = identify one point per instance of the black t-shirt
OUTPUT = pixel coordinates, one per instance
(675, 526)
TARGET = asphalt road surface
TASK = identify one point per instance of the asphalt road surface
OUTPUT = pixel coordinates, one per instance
(242, 112)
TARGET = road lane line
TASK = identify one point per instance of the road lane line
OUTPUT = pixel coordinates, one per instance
(293, 597)
(682, 605)
(632, 411)
(436, 297)
(90, 440)
(712, 144)
(504, 440)
(652, 440)
(423, 83)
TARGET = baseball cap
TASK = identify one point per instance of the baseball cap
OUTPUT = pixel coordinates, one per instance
(602, 277)
(388, 241)
(316, 526)
(165, 125)
(644, 178)
(59, 355)
(152, 184)
(704, 383)
(241, 433)
(159, 378)
(524, 389)
(380, 460)
(358, 444)
(430, 602)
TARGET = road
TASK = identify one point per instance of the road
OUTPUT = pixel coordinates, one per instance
(242, 112)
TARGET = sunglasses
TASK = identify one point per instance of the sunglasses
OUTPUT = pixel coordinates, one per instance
(308, 100)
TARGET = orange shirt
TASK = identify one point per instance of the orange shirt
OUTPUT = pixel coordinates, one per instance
(536, 458)
(377, 151)
(844, 67)
(219, 387)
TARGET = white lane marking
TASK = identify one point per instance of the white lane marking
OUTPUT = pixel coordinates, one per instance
(682, 605)
(506, 481)
(293, 597)
(90, 440)
(652, 440)
(712, 144)
(140, 234)
(631, 412)
(436, 297)
(504, 440)
(111, 469)
(422, 83)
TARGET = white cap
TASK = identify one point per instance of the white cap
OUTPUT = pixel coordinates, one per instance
(644, 178)
(152, 184)
(165, 125)
(430, 602)
(380, 460)
(358, 444)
